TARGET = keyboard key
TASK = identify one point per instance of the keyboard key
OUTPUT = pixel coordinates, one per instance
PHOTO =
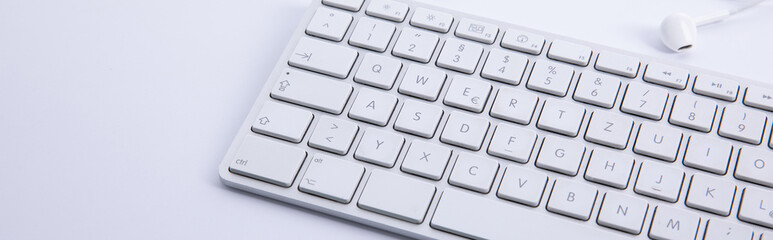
(609, 168)
(658, 141)
(415, 45)
(622, 212)
(268, 161)
(619, 64)
(710, 194)
(560, 155)
(522, 185)
(693, 112)
(512, 143)
(283, 122)
(426, 159)
(396, 196)
(312, 91)
(754, 165)
(672, 223)
(465, 130)
(329, 24)
(422, 82)
(331, 178)
(387, 9)
(504, 66)
(659, 181)
(418, 118)
(717, 229)
(467, 93)
(609, 129)
(477, 31)
(742, 124)
(757, 206)
(666, 75)
(473, 172)
(551, 78)
(333, 135)
(708, 154)
(323, 57)
(570, 53)
(572, 199)
(526, 42)
(561, 117)
(514, 105)
(432, 20)
(597, 89)
(379, 147)
(351, 5)
(373, 106)
(644, 101)
(372, 34)
(459, 56)
(759, 98)
(378, 71)
(716, 87)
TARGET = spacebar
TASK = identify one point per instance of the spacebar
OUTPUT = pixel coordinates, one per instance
(475, 217)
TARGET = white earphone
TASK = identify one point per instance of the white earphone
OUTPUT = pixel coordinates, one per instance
(679, 31)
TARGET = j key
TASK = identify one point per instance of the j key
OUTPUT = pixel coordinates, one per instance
(323, 57)
(759, 98)
(387, 9)
(268, 161)
(693, 112)
(671, 223)
(426, 159)
(623, 212)
(512, 142)
(331, 178)
(432, 20)
(312, 91)
(659, 181)
(742, 124)
(658, 141)
(329, 24)
(619, 64)
(396, 196)
(459, 55)
(609, 168)
(609, 129)
(467, 93)
(514, 105)
(644, 101)
(477, 31)
(710, 194)
(719, 88)
(757, 206)
(561, 117)
(465, 130)
(597, 89)
(415, 45)
(551, 78)
(474, 173)
(372, 34)
(283, 122)
(378, 71)
(333, 135)
(570, 52)
(708, 154)
(522, 185)
(418, 118)
(523, 41)
(504, 66)
(572, 198)
(755, 165)
(666, 75)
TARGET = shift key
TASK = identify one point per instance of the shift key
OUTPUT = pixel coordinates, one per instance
(312, 91)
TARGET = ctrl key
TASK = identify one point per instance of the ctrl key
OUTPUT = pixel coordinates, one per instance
(268, 161)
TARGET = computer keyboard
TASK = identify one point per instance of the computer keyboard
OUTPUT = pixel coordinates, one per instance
(433, 123)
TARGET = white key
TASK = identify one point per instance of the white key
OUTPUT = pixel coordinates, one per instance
(333, 135)
(312, 91)
(512, 143)
(378, 71)
(477, 31)
(622, 212)
(758, 97)
(465, 130)
(572, 199)
(757, 206)
(426, 159)
(422, 82)
(467, 93)
(329, 24)
(560, 155)
(396, 196)
(659, 181)
(766, 236)
(561, 117)
(609, 168)
(609, 129)
(644, 101)
(418, 118)
(387, 9)
(597, 89)
(658, 141)
(432, 20)
(666, 75)
(708, 154)
(550, 77)
(331, 178)
(742, 124)
(283, 122)
(504, 66)
(522, 185)
(267, 161)
(459, 55)
(351, 5)
(379, 147)
(755, 165)
(570, 52)
(716, 87)
(415, 45)
(670, 223)
(710, 194)
(693, 112)
(474, 173)
(372, 34)
(323, 57)
(717, 229)
(373, 106)
(523, 41)
(514, 105)
(619, 64)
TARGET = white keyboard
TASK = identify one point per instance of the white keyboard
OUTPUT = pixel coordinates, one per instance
(433, 123)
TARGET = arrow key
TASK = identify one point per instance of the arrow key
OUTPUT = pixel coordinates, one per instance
(333, 135)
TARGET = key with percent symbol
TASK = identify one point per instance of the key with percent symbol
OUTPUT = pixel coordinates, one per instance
(551, 78)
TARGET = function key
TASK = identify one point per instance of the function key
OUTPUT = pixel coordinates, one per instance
(666, 75)
(389, 10)
(432, 20)
(619, 64)
(757, 97)
(719, 88)
(477, 31)
(351, 5)
(570, 53)
(523, 41)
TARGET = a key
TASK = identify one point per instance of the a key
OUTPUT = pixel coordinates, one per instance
(561, 117)
(373, 106)
(415, 45)
(708, 154)
(622, 212)
(644, 101)
(526, 42)
(693, 112)
(396, 196)
(333, 135)
(504, 66)
(329, 24)
(283, 122)
(758, 97)
(522, 185)
(717, 229)
(477, 31)
(659, 181)
(666, 75)
(418, 118)
(267, 161)
(465, 130)
(379, 147)
(710, 194)
(331, 178)
(609, 168)
(597, 89)
(514, 105)
(378, 71)
(459, 55)
(658, 141)
(312, 91)
(351, 5)
(467, 93)
(754, 165)
(609, 129)
(432, 20)
(757, 206)
(372, 34)
(742, 124)
(387, 9)
(426, 159)
(551, 78)
(512, 143)
(422, 82)
(560, 155)
(619, 64)
(570, 52)
(474, 173)
(670, 223)
(572, 199)
(323, 57)
(719, 88)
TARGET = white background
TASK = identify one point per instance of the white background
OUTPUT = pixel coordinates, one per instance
(114, 115)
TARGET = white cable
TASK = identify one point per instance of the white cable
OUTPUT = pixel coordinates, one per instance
(747, 6)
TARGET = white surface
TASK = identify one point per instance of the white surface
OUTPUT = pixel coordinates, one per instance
(116, 114)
